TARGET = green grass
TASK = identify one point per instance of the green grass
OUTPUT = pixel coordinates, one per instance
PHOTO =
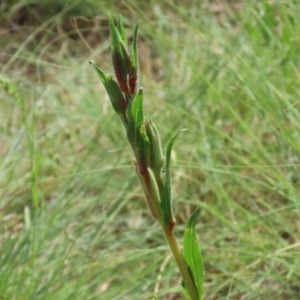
(74, 224)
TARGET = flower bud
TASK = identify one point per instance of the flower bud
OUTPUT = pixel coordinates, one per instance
(120, 56)
(156, 154)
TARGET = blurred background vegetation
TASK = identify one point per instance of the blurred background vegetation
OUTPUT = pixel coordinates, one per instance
(74, 224)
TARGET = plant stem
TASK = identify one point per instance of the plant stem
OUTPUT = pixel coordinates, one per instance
(181, 263)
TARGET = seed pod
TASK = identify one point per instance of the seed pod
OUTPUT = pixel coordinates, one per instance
(154, 193)
(151, 192)
(156, 154)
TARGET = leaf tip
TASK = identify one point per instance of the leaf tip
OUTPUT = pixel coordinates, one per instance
(183, 129)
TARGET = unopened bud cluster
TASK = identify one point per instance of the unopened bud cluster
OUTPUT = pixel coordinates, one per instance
(127, 100)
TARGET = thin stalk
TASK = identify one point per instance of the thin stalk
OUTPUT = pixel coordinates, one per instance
(181, 263)
(143, 136)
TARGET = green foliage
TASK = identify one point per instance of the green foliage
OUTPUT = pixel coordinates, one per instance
(135, 58)
(115, 94)
(192, 253)
(166, 197)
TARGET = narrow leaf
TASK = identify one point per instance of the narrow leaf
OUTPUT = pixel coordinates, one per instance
(115, 94)
(185, 291)
(134, 57)
(134, 72)
(166, 197)
(122, 30)
(192, 253)
(155, 297)
(136, 110)
(136, 133)
(101, 75)
(115, 36)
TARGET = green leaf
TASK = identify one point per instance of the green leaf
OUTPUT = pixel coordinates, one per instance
(185, 291)
(122, 30)
(155, 297)
(136, 133)
(115, 37)
(101, 75)
(134, 56)
(192, 253)
(134, 72)
(136, 115)
(166, 197)
(120, 57)
(115, 94)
